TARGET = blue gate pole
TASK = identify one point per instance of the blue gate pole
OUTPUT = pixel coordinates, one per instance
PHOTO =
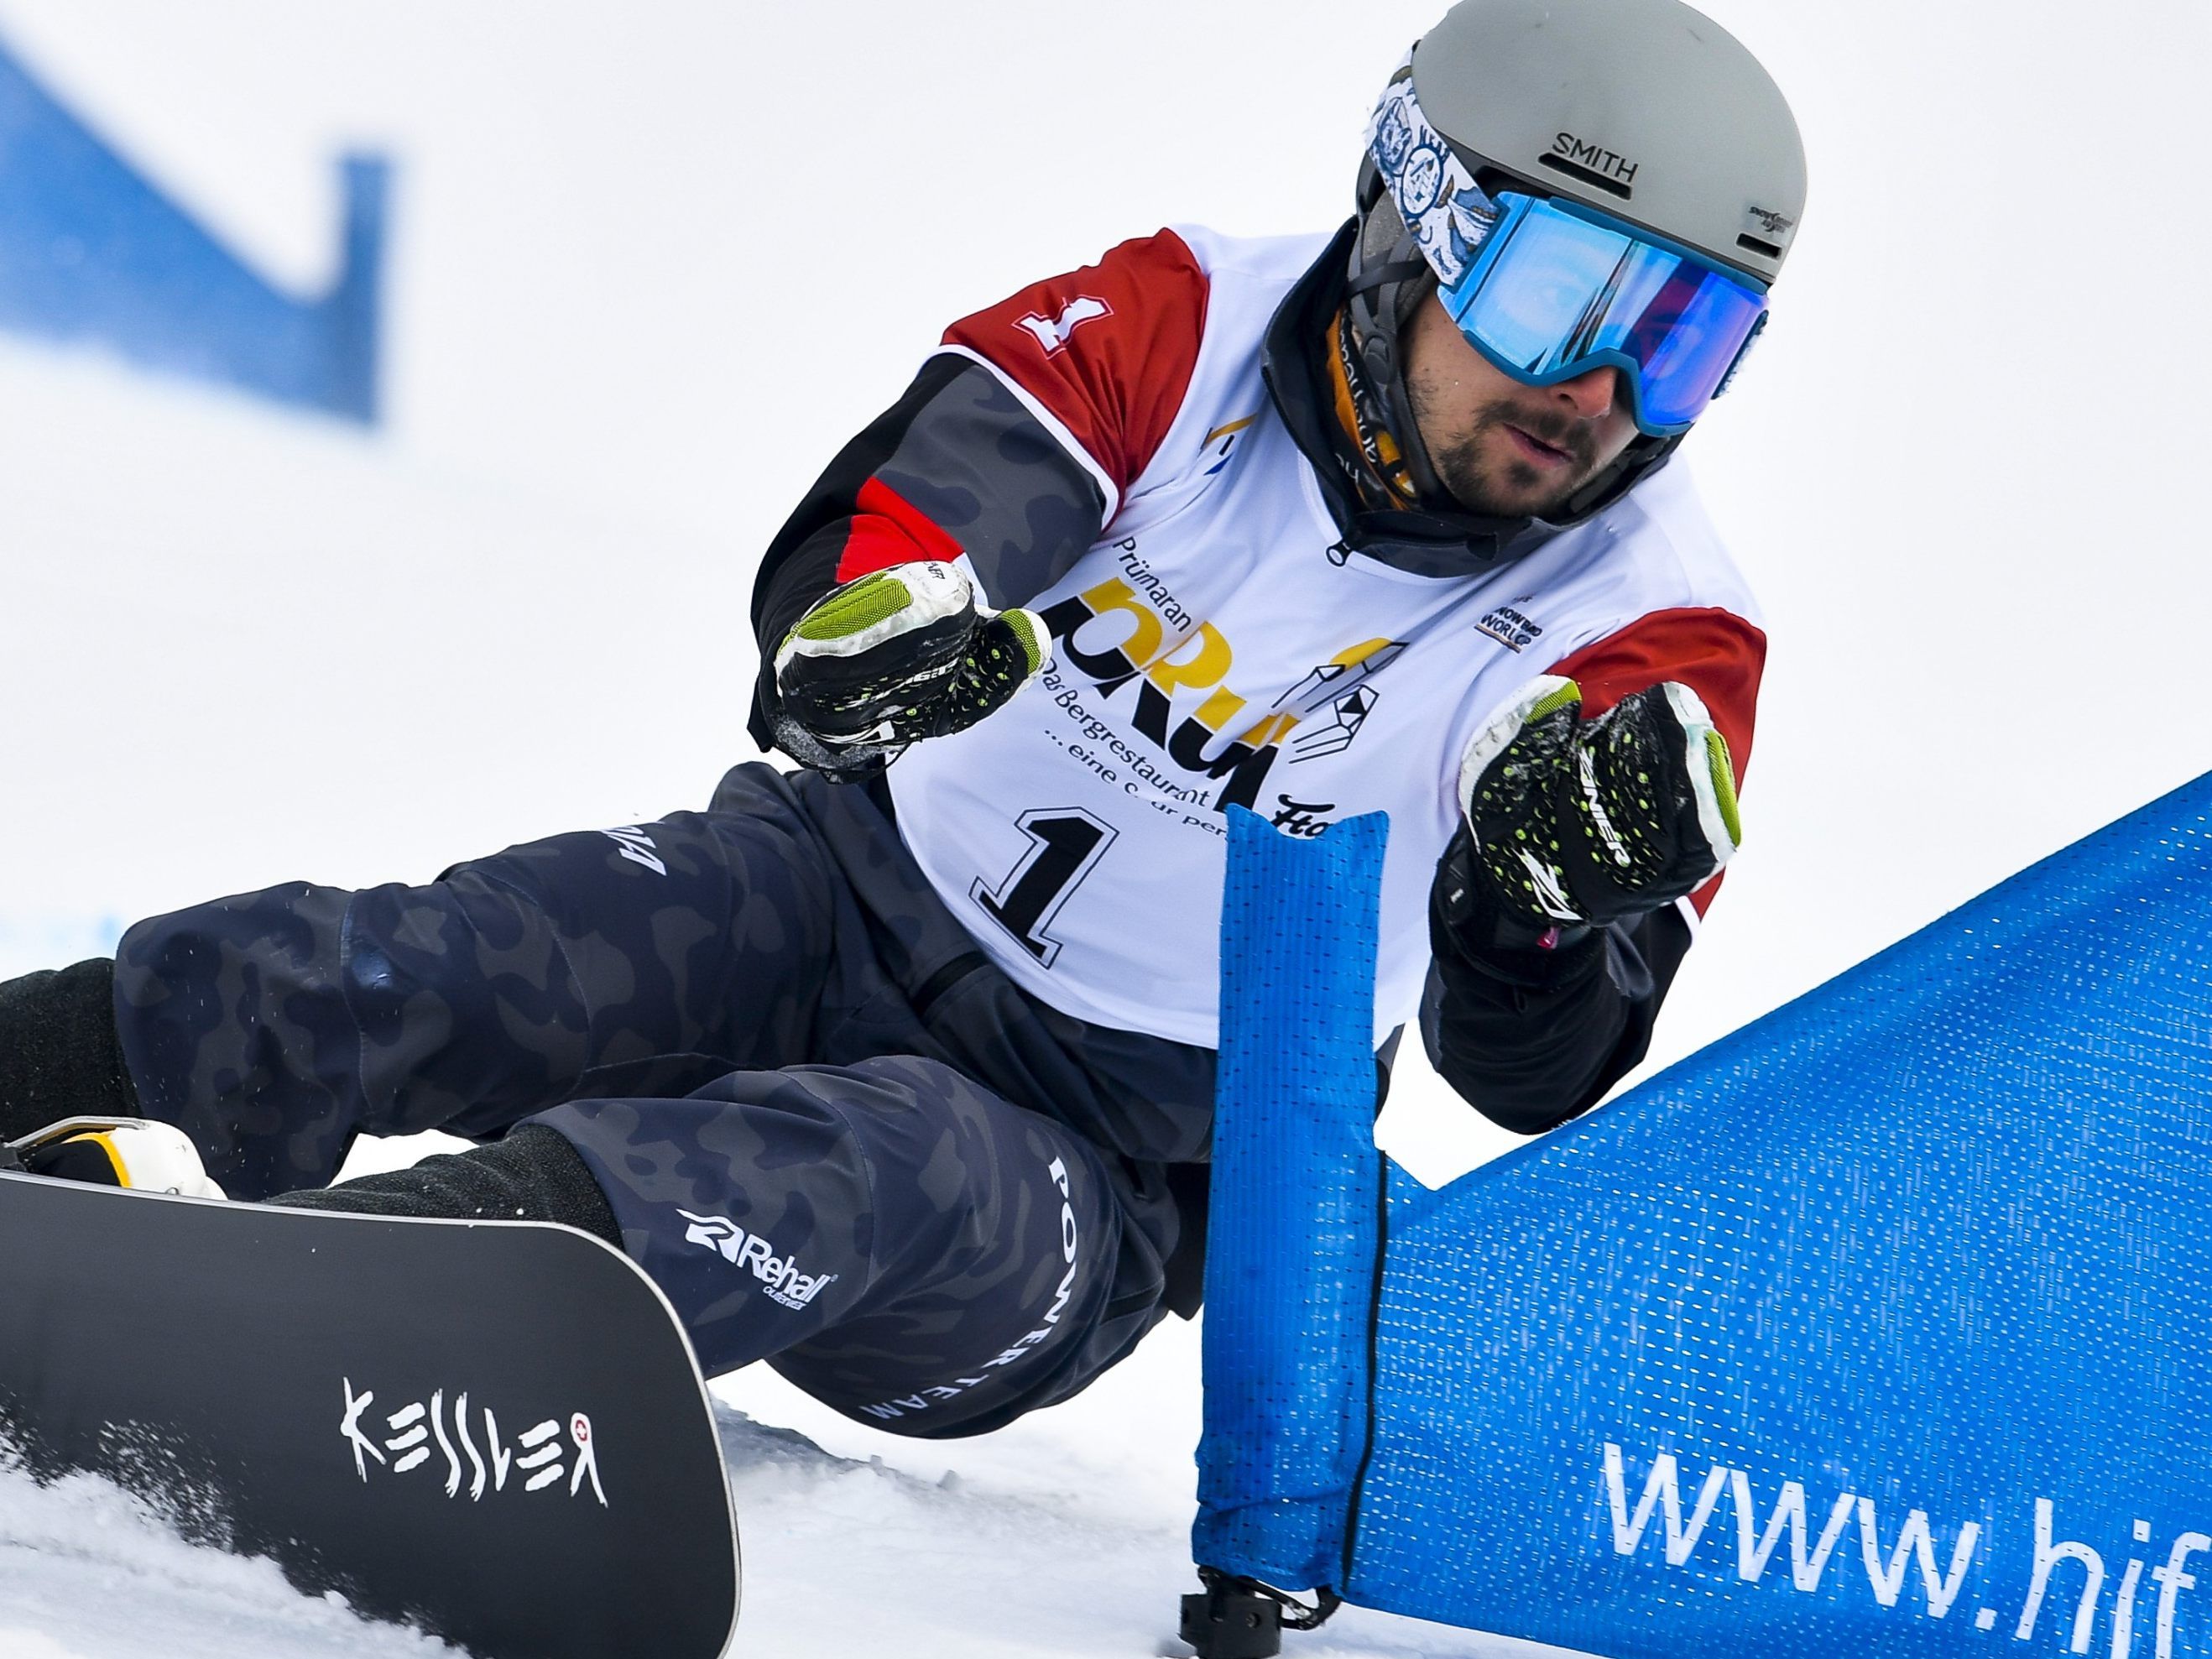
(1293, 1233)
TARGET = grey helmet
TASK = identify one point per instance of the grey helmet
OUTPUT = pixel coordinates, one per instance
(1644, 109)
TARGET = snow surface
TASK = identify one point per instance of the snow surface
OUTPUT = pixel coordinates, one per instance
(1072, 1542)
(87, 1572)
(648, 277)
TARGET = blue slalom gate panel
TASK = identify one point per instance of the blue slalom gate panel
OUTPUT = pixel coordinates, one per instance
(1297, 1201)
(90, 252)
(1883, 1326)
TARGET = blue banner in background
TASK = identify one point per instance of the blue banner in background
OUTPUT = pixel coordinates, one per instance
(91, 252)
(1884, 1325)
(1297, 1201)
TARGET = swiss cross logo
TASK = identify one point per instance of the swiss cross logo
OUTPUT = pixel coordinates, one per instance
(1052, 332)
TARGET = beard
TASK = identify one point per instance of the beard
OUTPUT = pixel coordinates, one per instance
(1484, 475)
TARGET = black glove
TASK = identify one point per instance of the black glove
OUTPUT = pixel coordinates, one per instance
(894, 656)
(1578, 821)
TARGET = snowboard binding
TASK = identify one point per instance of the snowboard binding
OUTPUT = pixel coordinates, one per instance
(131, 1152)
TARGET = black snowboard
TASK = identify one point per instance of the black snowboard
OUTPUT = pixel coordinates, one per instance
(496, 1431)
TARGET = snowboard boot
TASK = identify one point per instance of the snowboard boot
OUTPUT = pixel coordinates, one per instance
(533, 1175)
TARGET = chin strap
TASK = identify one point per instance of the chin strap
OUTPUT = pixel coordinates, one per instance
(1368, 280)
(1644, 456)
(1379, 469)
(1380, 294)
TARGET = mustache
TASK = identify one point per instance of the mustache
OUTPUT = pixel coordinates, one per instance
(1550, 426)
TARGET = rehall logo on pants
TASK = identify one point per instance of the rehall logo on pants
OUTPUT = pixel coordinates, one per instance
(779, 1276)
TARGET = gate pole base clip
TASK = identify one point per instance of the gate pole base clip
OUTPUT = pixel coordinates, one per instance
(1235, 1618)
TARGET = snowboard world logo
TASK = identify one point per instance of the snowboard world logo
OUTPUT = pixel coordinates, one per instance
(1509, 628)
(538, 1459)
(779, 1276)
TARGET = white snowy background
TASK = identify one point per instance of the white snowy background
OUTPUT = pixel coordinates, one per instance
(652, 265)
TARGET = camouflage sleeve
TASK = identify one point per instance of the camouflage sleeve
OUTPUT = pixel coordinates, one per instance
(957, 467)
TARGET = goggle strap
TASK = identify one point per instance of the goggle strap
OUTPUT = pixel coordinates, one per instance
(1742, 352)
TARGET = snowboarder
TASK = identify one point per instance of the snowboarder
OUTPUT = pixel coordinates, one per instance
(897, 1069)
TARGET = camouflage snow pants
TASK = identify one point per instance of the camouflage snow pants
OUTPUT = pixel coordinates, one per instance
(835, 1134)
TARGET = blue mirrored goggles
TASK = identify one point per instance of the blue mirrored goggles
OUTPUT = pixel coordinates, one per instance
(1556, 290)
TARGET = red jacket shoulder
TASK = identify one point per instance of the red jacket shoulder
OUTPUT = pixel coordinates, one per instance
(1107, 351)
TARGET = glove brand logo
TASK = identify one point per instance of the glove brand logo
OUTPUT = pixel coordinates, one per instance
(1586, 768)
(1549, 894)
(780, 1277)
(537, 1460)
(1510, 629)
(1052, 332)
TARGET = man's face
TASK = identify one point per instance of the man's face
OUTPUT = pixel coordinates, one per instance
(1501, 447)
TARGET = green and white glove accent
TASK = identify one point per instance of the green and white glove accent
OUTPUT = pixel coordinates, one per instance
(1582, 821)
(894, 656)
